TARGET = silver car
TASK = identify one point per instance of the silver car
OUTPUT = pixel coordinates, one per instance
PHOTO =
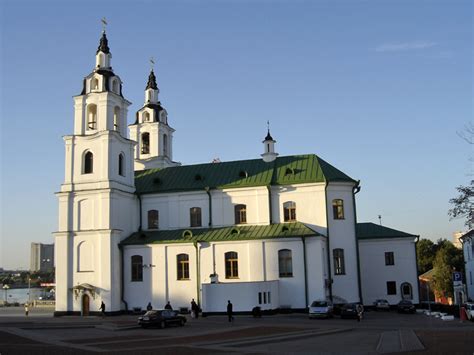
(321, 309)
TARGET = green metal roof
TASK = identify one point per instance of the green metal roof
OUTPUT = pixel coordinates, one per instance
(375, 231)
(296, 169)
(226, 234)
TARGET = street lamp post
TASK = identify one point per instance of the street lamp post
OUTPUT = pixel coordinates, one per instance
(29, 286)
(6, 287)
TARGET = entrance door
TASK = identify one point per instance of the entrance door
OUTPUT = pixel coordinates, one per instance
(85, 305)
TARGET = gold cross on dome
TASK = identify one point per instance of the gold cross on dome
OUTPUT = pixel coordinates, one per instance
(104, 23)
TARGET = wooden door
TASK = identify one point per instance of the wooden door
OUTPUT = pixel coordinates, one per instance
(85, 305)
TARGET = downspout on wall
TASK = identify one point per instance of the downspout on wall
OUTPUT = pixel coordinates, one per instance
(122, 278)
(140, 211)
(198, 272)
(329, 280)
(305, 273)
(208, 191)
(355, 190)
(417, 271)
(270, 214)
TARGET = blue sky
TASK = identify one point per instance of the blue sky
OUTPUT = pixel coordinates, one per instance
(377, 88)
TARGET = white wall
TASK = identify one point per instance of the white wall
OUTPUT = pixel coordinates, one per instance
(257, 262)
(375, 274)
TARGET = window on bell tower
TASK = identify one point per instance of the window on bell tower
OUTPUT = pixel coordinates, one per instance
(116, 118)
(165, 145)
(88, 163)
(146, 117)
(146, 143)
(94, 84)
(92, 117)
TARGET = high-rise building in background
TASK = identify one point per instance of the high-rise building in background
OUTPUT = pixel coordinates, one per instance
(42, 257)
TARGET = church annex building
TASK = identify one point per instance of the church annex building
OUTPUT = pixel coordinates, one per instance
(275, 231)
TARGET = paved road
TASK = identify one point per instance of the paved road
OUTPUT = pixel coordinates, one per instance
(379, 332)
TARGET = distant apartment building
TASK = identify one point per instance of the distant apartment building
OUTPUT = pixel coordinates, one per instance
(42, 257)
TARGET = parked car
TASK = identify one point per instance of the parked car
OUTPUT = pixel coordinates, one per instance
(321, 309)
(161, 318)
(405, 306)
(470, 311)
(382, 305)
(349, 310)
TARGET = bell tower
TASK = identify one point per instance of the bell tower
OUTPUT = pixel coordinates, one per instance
(152, 132)
(269, 153)
(97, 204)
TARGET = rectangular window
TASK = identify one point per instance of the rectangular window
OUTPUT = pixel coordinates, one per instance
(389, 258)
(259, 298)
(182, 266)
(265, 297)
(338, 209)
(339, 267)
(391, 288)
(268, 297)
(231, 265)
(195, 216)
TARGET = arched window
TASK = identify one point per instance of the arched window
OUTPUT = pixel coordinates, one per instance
(115, 86)
(92, 116)
(195, 216)
(146, 143)
(121, 167)
(85, 256)
(240, 214)
(146, 117)
(406, 291)
(339, 266)
(338, 209)
(165, 145)
(94, 84)
(231, 265)
(88, 163)
(289, 211)
(153, 219)
(183, 266)
(116, 118)
(285, 263)
(137, 268)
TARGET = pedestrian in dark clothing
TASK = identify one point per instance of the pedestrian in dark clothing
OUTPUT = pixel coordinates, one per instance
(360, 310)
(102, 309)
(194, 309)
(168, 306)
(149, 307)
(229, 311)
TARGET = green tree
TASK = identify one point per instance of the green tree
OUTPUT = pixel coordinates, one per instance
(442, 273)
(463, 204)
(425, 253)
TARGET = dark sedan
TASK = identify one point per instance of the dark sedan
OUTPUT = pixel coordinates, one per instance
(405, 307)
(161, 319)
(349, 310)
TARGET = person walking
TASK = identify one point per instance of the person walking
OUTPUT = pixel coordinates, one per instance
(102, 309)
(149, 307)
(230, 311)
(26, 309)
(168, 306)
(360, 310)
(194, 309)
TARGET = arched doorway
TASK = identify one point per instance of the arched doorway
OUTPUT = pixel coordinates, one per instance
(85, 305)
(407, 293)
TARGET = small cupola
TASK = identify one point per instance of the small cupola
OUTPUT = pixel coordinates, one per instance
(151, 90)
(269, 153)
(103, 55)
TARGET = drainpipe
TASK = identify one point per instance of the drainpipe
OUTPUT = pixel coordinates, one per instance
(305, 273)
(270, 203)
(417, 272)
(140, 211)
(198, 271)
(122, 278)
(328, 242)
(355, 190)
(208, 191)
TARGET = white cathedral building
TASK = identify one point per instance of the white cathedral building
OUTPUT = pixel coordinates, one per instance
(275, 231)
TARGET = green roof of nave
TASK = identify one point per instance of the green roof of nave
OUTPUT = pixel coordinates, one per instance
(232, 233)
(374, 231)
(295, 169)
